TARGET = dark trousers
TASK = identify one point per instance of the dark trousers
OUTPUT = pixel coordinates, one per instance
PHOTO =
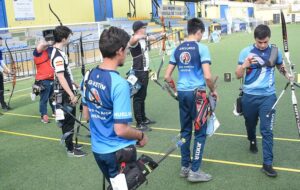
(254, 108)
(2, 102)
(69, 122)
(108, 164)
(187, 111)
(46, 95)
(140, 97)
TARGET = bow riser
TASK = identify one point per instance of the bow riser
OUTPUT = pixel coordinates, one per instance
(14, 71)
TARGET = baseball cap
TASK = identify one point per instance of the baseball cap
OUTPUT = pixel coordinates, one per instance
(138, 25)
(48, 35)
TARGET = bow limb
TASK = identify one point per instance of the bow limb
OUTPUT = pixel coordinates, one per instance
(164, 87)
(163, 46)
(13, 70)
(291, 82)
(82, 56)
(55, 15)
(81, 106)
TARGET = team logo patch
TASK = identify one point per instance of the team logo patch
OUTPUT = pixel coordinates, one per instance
(185, 58)
(95, 96)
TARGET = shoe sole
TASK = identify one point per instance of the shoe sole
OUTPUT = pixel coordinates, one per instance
(267, 173)
(76, 156)
(183, 176)
(197, 180)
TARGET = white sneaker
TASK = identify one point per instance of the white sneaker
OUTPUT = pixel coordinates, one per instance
(198, 176)
(184, 172)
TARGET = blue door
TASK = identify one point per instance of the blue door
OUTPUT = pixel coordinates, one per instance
(250, 11)
(103, 9)
(191, 7)
(223, 10)
(3, 20)
(154, 9)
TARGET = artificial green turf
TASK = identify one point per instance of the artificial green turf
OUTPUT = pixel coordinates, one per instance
(31, 163)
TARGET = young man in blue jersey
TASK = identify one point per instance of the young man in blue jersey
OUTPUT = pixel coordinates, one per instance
(259, 61)
(107, 105)
(193, 61)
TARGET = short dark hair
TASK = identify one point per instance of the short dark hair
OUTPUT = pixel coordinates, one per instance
(111, 40)
(61, 32)
(262, 31)
(1, 38)
(194, 25)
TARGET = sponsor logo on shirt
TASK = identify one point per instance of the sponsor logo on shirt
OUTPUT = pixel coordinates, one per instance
(94, 96)
(97, 84)
(185, 57)
(59, 63)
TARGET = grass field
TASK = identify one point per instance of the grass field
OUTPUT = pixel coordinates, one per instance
(32, 157)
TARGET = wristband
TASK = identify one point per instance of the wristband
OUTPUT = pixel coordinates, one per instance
(142, 137)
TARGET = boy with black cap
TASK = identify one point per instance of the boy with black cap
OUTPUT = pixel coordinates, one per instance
(140, 66)
(44, 73)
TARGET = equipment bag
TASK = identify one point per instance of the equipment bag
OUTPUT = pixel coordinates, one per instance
(202, 108)
(37, 87)
(238, 106)
(136, 172)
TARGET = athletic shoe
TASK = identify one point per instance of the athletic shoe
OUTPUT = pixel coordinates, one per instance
(184, 171)
(78, 146)
(45, 119)
(76, 153)
(268, 170)
(198, 176)
(253, 147)
(6, 108)
(148, 121)
(143, 127)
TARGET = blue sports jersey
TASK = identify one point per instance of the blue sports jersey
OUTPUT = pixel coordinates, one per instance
(259, 80)
(189, 57)
(112, 105)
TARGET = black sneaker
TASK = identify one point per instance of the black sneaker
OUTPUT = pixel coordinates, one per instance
(143, 127)
(76, 153)
(253, 147)
(148, 121)
(268, 170)
(78, 146)
(6, 108)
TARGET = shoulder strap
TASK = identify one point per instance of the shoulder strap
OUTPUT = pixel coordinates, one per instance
(273, 56)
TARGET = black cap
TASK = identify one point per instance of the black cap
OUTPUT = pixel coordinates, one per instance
(138, 25)
(48, 35)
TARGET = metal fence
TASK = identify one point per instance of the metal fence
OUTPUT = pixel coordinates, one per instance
(26, 67)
